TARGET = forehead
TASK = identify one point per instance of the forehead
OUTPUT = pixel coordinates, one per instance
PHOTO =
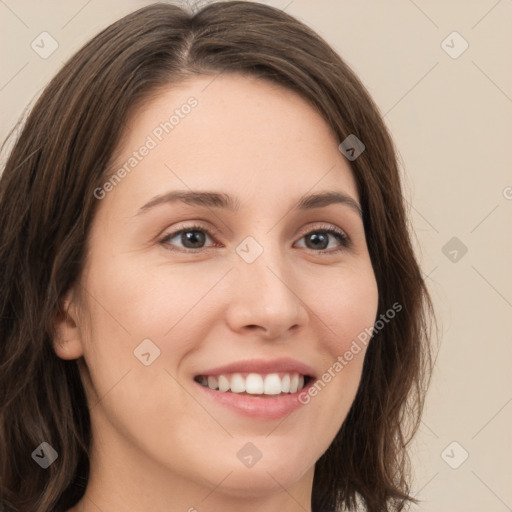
(233, 133)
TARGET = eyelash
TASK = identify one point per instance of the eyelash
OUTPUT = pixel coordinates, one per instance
(340, 235)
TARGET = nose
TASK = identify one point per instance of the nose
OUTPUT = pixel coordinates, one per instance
(265, 297)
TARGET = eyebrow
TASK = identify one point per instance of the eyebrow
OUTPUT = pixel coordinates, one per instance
(222, 200)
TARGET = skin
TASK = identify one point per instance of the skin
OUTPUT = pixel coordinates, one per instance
(158, 443)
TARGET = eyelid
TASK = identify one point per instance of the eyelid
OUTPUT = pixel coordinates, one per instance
(346, 241)
(211, 232)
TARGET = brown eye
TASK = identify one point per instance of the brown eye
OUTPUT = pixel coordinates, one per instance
(318, 240)
(191, 238)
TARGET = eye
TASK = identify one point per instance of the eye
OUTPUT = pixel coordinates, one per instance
(193, 239)
(319, 239)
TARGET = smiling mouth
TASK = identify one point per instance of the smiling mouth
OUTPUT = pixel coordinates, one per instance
(255, 384)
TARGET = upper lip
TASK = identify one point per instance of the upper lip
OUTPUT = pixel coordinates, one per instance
(282, 365)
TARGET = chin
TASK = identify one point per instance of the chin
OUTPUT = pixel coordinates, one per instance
(275, 470)
(261, 480)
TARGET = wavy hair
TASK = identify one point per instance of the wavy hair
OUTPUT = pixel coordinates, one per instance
(47, 204)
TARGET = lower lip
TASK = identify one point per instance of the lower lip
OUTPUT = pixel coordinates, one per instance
(262, 407)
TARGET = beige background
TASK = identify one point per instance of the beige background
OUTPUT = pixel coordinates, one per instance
(451, 120)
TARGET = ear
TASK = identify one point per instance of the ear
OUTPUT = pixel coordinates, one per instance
(67, 342)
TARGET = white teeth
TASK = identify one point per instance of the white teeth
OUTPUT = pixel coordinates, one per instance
(294, 383)
(223, 383)
(272, 384)
(237, 383)
(212, 383)
(255, 383)
(285, 384)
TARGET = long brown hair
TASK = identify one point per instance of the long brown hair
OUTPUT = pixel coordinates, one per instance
(47, 204)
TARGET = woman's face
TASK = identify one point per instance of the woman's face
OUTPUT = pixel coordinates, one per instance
(246, 287)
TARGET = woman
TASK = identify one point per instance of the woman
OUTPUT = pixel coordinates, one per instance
(210, 300)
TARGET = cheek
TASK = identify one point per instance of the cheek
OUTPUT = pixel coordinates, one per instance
(346, 311)
(131, 303)
(137, 299)
(348, 308)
